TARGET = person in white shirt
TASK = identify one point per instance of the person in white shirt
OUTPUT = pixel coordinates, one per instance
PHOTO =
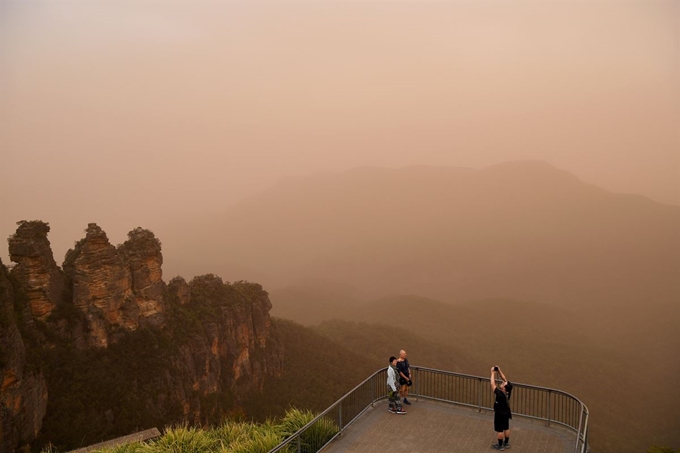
(393, 388)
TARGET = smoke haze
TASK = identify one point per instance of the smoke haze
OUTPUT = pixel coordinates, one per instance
(148, 113)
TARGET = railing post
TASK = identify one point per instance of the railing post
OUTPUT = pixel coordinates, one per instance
(372, 392)
(549, 398)
(578, 432)
(417, 376)
(299, 449)
(340, 415)
(479, 401)
(585, 448)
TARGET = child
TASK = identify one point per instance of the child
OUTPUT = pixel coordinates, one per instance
(393, 388)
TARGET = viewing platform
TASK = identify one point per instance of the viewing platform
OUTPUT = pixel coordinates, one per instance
(450, 412)
(432, 426)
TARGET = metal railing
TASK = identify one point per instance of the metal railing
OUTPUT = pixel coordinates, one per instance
(540, 403)
(530, 401)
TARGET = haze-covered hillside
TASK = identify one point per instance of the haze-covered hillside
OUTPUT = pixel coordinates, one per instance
(522, 230)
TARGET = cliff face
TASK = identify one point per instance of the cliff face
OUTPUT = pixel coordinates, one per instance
(23, 393)
(235, 339)
(228, 348)
(183, 352)
(116, 289)
(30, 249)
(142, 254)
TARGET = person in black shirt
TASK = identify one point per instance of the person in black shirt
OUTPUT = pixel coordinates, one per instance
(404, 376)
(501, 407)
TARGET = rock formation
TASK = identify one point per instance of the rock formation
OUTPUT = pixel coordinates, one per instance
(183, 352)
(45, 283)
(180, 289)
(101, 285)
(142, 254)
(23, 393)
(116, 288)
(234, 344)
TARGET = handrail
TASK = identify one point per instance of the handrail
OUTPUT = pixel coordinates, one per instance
(530, 401)
(541, 403)
(295, 437)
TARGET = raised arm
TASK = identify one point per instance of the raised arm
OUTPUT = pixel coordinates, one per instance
(493, 379)
(502, 375)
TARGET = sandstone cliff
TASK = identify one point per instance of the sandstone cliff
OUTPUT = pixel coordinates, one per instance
(23, 392)
(30, 249)
(229, 348)
(116, 289)
(142, 254)
(118, 348)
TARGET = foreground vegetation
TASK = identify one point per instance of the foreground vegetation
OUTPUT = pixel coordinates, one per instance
(234, 437)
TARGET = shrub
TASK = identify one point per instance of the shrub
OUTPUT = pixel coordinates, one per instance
(261, 439)
(315, 436)
(182, 439)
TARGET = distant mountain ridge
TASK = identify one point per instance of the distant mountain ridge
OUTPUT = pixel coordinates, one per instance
(523, 230)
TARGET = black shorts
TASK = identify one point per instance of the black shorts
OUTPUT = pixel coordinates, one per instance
(501, 422)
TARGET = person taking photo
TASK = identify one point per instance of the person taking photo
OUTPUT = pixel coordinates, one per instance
(501, 407)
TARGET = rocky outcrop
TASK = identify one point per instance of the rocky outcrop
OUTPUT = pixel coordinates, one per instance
(116, 289)
(44, 281)
(233, 350)
(101, 286)
(23, 393)
(180, 289)
(120, 349)
(142, 255)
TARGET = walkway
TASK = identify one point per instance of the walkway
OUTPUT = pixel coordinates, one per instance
(432, 426)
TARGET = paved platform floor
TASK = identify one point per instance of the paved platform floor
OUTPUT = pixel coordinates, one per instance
(431, 426)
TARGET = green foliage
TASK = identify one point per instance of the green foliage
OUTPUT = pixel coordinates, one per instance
(126, 380)
(141, 239)
(295, 419)
(247, 290)
(183, 439)
(209, 290)
(315, 436)
(232, 432)
(656, 449)
(254, 439)
(232, 437)
(37, 226)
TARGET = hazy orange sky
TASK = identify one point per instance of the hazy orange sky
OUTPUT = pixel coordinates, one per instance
(142, 113)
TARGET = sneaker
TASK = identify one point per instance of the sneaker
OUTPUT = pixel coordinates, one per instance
(400, 411)
(506, 446)
(407, 401)
(497, 447)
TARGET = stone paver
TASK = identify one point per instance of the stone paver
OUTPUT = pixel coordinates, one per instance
(431, 426)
